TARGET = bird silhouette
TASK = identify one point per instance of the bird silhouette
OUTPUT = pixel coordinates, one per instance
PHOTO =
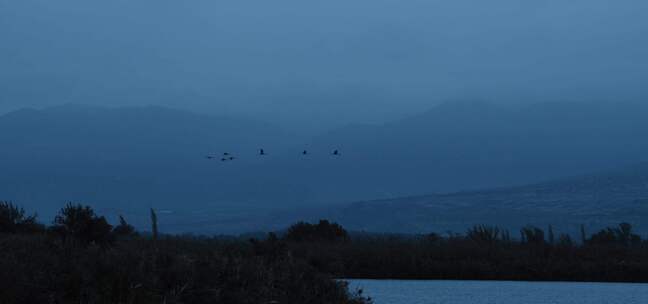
(262, 152)
(232, 158)
(305, 152)
(209, 157)
(223, 159)
(336, 153)
(226, 154)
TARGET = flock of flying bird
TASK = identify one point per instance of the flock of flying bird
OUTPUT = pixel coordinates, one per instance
(229, 157)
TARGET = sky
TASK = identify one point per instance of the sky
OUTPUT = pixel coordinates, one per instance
(319, 63)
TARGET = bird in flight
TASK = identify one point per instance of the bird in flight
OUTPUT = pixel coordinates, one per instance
(229, 157)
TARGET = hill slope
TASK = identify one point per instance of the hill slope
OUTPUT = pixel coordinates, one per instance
(593, 200)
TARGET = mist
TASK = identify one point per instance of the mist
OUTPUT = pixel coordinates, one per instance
(318, 65)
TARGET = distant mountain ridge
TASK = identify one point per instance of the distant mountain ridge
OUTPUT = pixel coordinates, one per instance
(472, 145)
(595, 200)
(130, 159)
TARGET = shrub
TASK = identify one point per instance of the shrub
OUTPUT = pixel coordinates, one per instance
(324, 231)
(81, 223)
(14, 220)
(124, 230)
(532, 235)
(621, 235)
(484, 234)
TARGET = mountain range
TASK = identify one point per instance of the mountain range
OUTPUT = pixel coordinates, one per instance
(596, 201)
(126, 160)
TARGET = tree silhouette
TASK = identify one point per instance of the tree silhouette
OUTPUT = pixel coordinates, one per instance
(551, 235)
(154, 224)
(81, 223)
(14, 220)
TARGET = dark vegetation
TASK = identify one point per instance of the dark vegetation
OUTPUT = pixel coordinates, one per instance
(613, 254)
(81, 258)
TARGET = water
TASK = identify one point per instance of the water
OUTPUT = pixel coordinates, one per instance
(499, 292)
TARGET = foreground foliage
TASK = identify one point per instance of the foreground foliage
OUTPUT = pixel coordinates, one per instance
(83, 259)
(613, 254)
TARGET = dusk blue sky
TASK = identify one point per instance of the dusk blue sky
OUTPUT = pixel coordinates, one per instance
(325, 62)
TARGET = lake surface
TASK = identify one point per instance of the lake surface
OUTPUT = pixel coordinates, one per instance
(500, 292)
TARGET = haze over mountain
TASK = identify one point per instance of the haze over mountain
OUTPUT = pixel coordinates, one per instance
(468, 145)
(319, 65)
(125, 160)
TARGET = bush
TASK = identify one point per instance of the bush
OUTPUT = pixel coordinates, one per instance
(621, 235)
(14, 220)
(484, 234)
(532, 235)
(124, 230)
(81, 223)
(322, 232)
